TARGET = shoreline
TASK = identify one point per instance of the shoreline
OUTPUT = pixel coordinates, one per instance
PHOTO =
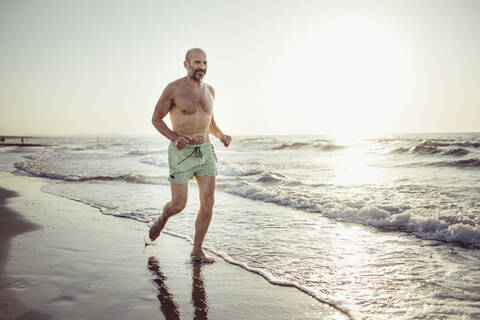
(11, 225)
(77, 262)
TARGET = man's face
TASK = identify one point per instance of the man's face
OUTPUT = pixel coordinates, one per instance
(196, 65)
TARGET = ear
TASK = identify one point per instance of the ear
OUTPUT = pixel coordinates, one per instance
(185, 63)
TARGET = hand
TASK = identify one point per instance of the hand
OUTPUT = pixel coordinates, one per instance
(181, 141)
(226, 139)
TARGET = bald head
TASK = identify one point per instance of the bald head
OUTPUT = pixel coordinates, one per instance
(193, 51)
(196, 63)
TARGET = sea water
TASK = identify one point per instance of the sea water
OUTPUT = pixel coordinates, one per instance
(382, 227)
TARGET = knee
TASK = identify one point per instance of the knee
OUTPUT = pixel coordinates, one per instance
(177, 206)
(208, 202)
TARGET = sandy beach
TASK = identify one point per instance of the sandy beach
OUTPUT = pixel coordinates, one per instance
(62, 259)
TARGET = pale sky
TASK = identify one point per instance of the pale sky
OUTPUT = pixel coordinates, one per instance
(278, 67)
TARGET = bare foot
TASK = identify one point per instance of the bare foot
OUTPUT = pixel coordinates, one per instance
(201, 257)
(156, 228)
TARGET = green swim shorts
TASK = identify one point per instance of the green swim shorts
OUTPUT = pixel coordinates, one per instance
(193, 160)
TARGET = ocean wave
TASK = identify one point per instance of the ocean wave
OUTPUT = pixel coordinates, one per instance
(332, 147)
(145, 152)
(400, 150)
(395, 139)
(403, 219)
(97, 146)
(425, 149)
(26, 166)
(259, 140)
(467, 163)
(291, 145)
(321, 145)
(270, 177)
(464, 144)
(419, 149)
(458, 152)
(261, 175)
(18, 149)
(431, 228)
(240, 171)
(271, 140)
(431, 142)
(155, 161)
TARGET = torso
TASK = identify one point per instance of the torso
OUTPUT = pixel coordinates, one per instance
(191, 110)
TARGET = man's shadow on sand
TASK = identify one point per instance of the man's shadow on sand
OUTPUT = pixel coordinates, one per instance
(168, 306)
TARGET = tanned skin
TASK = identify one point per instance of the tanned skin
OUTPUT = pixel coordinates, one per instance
(189, 101)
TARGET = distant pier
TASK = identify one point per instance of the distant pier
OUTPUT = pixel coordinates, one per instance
(17, 141)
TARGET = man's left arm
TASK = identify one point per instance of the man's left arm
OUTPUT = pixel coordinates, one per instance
(224, 138)
(214, 129)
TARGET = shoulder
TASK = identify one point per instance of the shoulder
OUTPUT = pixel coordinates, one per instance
(176, 84)
(212, 91)
(172, 87)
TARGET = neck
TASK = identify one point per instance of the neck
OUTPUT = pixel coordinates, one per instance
(195, 83)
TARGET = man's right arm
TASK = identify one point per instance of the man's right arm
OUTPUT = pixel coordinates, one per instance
(164, 104)
(162, 108)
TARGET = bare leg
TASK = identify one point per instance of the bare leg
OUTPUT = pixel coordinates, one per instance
(206, 186)
(171, 208)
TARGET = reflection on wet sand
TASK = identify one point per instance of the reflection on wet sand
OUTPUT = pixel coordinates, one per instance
(168, 306)
(199, 296)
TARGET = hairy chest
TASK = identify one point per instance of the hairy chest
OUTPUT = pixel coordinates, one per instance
(190, 102)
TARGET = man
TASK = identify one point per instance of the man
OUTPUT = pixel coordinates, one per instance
(189, 101)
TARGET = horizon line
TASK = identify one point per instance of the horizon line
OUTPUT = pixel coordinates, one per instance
(93, 135)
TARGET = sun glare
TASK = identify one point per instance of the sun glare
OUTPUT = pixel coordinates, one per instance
(362, 74)
(353, 167)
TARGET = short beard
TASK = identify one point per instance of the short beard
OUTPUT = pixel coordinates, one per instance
(196, 76)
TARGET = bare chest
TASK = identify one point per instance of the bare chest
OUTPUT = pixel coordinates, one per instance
(190, 102)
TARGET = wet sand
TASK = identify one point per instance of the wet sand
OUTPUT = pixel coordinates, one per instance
(62, 259)
(11, 225)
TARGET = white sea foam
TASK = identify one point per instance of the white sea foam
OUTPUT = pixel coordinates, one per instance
(141, 152)
(51, 173)
(465, 232)
(158, 161)
(240, 169)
